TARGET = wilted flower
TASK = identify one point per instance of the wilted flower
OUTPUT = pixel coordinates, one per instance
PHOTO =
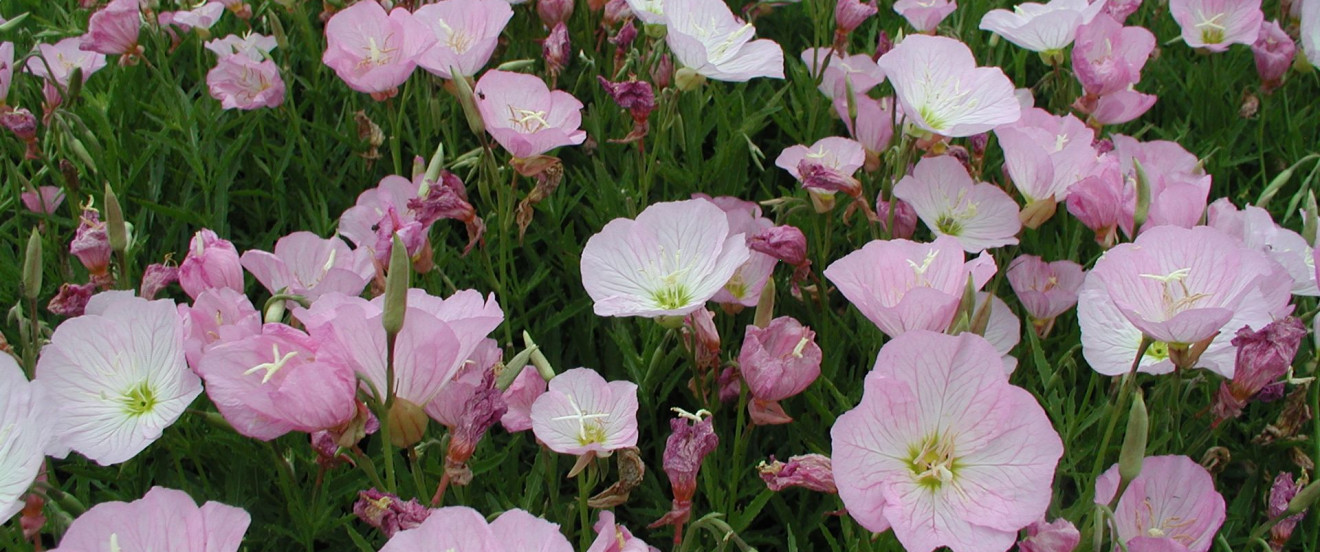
(211, 262)
(668, 262)
(373, 52)
(91, 243)
(27, 418)
(1045, 28)
(525, 116)
(706, 37)
(1217, 24)
(777, 362)
(785, 243)
(1274, 51)
(1121, 9)
(1281, 492)
(1045, 290)
(980, 215)
(612, 537)
(834, 156)
(702, 338)
(119, 376)
(240, 83)
(1262, 358)
(6, 69)
(389, 513)
(583, 414)
(163, 519)
(556, 48)
(925, 15)
(963, 465)
(114, 30)
(383, 211)
(1173, 498)
(813, 472)
(23, 124)
(72, 299)
(635, 96)
(155, 278)
(692, 439)
(1059, 535)
(942, 91)
(849, 14)
(554, 12)
(304, 264)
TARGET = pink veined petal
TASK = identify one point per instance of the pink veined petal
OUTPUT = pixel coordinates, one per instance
(520, 531)
(448, 528)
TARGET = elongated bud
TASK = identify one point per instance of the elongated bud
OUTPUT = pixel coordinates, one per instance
(80, 151)
(1309, 219)
(437, 164)
(765, 307)
(277, 29)
(13, 23)
(1304, 499)
(397, 282)
(512, 370)
(463, 91)
(75, 83)
(852, 100)
(32, 262)
(517, 65)
(962, 319)
(541, 363)
(1143, 197)
(981, 317)
(1134, 441)
(115, 228)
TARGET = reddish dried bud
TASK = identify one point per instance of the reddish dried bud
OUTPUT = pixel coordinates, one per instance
(24, 125)
(633, 95)
(662, 74)
(91, 243)
(850, 14)
(388, 513)
(155, 278)
(71, 300)
(556, 49)
(810, 471)
(786, 243)
(554, 12)
(816, 176)
(905, 218)
(882, 45)
(446, 199)
(483, 409)
(1262, 357)
(1283, 491)
(692, 439)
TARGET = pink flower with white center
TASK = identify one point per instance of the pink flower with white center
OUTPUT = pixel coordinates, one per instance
(6, 69)
(119, 376)
(201, 17)
(57, 61)
(1180, 286)
(304, 264)
(943, 449)
(1108, 57)
(1045, 290)
(942, 91)
(777, 362)
(668, 262)
(163, 519)
(240, 83)
(519, 397)
(583, 414)
(744, 287)
(211, 262)
(438, 335)
(44, 200)
(1274, 51)
(27, 419)
(1179, 186)
(858, 70)
(1059, 535)
(980, 215)
(1003, 329)
(650, 12)
(1045, 28)
(706, 37)
(1217, 24)
(836, 156)
(1045, 154)
(114, 30)
(925, 15)
(902, 285)
(373, 52)
(1173, 498)
(269, 384)
(466, 33)
(525, 116)
(218, 314)
(1310, 30)
(255, 46)
(612, 537)
(1258, 231)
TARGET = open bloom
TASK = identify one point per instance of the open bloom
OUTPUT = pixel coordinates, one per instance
(902, 285)
(581, 413)
(943, 449)
(240, 83)
(706, 37)
(466, 33)
(1045, 290)
(304, 264)
(831, 159)
(744, 287)
(1046, 28)
(943, 91)
(925, 15)
(1217, 24)
(56, 62)
(1045, 154)
(163, 519)
(1173, 498)
(383, 211)
(1108, 57)
(525, 116)
(373, 52)
(462, 528)
(255, 46)
(1258, 231)
(26, 420)
(119, 376)
(114, 30)
(668, 262)
(980, 215)
(857, 71)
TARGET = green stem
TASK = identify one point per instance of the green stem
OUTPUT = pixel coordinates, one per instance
(387, 446)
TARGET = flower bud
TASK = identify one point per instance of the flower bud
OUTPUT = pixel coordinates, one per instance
(397, 281)
(407, 423)
(1134, 440)
(32, 266)
(556, 49)
(463, 91)
(1274, 51)
(1059, 535)
(904, 217)
(1303, 499)
(662, 73)
(541, 363)
(687, 79)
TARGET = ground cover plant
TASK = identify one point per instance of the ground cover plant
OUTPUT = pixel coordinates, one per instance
(678, 274)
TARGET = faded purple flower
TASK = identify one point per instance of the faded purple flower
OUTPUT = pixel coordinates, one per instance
(388, 513)
(813, 472)
(1262, 357)
(692, 439)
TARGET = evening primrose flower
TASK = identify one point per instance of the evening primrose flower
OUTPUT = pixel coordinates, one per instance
(1045, 290)
(26, 420)
(1217, 24)
(163, 519)
(668, 262)
(119, 376)
(942, 91)
(1046, 154)
(583, 415)
(1173, 498)
(373, 52)
(525, 116)
(466, 33)
(462, 528)
(1045, 28)
(240, 83)
(304, 264)
(980, 215)
(744, 287)
(925, 15)
(943, 449)
(707, 38)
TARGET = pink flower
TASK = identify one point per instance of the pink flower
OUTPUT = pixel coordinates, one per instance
(28, 419)
(668, 262)
(1257, 230)
(45, 200)
(1181, 286)
(1281, 492)
(964, 465)
(1274, 51)
(1121, 9)
(255, 46)
(925, 15)
(1002, 328)
(462, 528)
(942, 91)
(1173, 498)
(902, 285)
(1045, 290)
(777, 362)
(525, 116)
(6, 69)
(1046, 28)
(1059, 535)
(1217, 24)
(119, 376)
(240, 83)
(980, 215)
(201, 17)
(905, 219)
(584, 414)
(218, 314)
(813, 472)
(388, 513)
(466, 33)
(91, 243)
(1310, 30)
(650, 12)
(611, 537)
(155, 278)
(873, 127)
(785, 243)
(520, 396)
(1108, 57)
(1121, 106)
(707, 38)
(1178, 185)
(1045, 155)
(840, 157)
(114, 30)
(744, 287)
(858, 70)
(381, 212)
(163, 519)
(304, 264)
(211, 262)
(520, 531)
(850, 14)
(373, 52)
(1097, 200)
